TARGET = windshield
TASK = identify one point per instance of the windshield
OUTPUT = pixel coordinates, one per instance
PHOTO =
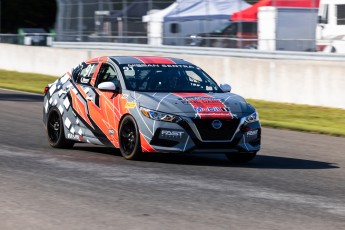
(222, 27)
(167, 78)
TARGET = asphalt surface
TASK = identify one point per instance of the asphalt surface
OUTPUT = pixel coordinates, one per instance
(296, 182)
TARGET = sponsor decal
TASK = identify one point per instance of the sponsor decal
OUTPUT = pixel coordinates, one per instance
(205, 106)
(130, 66)
(179, 66)
(130, 105)
(171, 134)
(84, 80)
(200, 100)
(111, 131)
(75, 137)
(252, 133)
(210, 99)
(211, 109)
(217, 124)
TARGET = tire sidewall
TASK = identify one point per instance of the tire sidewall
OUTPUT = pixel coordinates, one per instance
(61, 142)
(136, 153)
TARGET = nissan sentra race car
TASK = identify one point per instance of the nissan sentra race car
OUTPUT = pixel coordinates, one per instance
(149, 104)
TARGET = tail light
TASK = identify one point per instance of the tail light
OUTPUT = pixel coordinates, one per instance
(320, 48)
(46, 89)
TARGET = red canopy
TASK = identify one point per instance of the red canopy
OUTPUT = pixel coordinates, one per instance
(251, 13)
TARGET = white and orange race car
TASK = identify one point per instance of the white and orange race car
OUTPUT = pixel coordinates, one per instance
(149, 104)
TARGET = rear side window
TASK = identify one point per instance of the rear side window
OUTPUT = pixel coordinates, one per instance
(86, 73)
(340, 14)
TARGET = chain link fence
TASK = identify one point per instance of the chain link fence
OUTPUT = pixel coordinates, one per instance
(206, 23)
(105, 20)
(144, 22)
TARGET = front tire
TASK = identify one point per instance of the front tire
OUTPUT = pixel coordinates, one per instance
(129, 139)
(55, 131)
(240, 158)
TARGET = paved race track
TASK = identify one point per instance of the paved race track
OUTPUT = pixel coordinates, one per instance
(297, 182)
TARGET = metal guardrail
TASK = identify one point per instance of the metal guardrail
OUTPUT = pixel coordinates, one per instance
(203, 51)
(36, 39)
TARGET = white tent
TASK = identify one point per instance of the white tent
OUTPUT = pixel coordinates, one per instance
(189, 16)
(205, 9)
(155, 24)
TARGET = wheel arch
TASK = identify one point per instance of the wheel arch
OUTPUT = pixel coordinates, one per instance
(121, 119)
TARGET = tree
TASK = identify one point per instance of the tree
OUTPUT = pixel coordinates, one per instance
(24, 14)
(42, 13)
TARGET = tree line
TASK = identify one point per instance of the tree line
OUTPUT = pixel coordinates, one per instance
(37, 13)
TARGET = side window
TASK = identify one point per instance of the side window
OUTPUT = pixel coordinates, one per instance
(85, 75)
(323, 14)
(174, 28)
(107, 73)
(340, 14)
(197, 81)
(230, 30)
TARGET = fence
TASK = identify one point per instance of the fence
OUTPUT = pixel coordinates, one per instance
(104, 20)
(169, 22)
(33, 39)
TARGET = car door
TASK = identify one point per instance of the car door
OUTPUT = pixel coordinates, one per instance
(104, 106)
(78, 91)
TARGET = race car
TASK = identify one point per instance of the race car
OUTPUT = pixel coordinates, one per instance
(143, 104)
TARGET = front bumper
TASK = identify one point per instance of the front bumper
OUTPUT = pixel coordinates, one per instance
(192, 136)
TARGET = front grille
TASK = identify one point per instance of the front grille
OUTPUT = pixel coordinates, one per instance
(216, 145)
(207, 132)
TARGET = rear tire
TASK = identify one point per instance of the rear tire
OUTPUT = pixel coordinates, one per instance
(55, 131)
(240, 158)
(129, 139)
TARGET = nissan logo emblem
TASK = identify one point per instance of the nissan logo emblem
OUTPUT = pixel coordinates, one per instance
(217, 124)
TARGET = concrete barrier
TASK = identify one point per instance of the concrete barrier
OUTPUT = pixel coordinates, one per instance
(313, 82)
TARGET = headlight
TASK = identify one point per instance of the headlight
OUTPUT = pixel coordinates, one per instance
(252, 117)
(195, 36)
(195, 39)
(159, 116)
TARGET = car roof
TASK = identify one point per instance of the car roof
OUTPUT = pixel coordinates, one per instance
(148, 60)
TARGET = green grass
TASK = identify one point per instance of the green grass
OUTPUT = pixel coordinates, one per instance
(28, 82)
(277, 115)
(307, 118)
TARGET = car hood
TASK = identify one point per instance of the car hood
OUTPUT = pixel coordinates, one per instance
(200, 105)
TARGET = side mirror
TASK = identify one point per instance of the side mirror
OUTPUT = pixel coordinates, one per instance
(225, 87)
(107, 86)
